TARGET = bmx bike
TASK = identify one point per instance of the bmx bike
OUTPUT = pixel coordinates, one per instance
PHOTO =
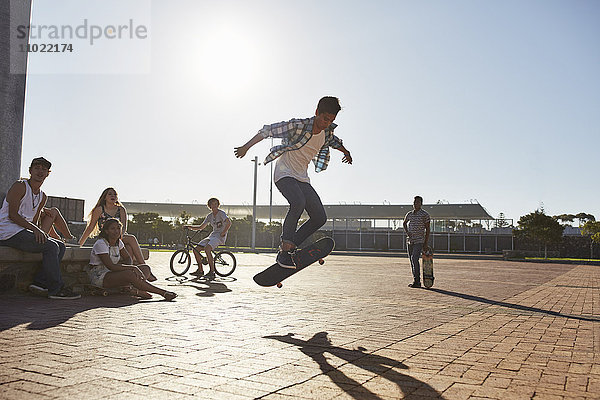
(181, 260)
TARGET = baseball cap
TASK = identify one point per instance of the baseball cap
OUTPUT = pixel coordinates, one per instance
(41, 161)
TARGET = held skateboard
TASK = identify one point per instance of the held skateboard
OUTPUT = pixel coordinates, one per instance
(428, 268)
(275, 274)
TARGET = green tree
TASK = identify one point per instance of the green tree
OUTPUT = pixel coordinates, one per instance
(565, 218)
(142, 225)
(274, 230)
(183, 219)
(163, 230)
(583, 218)
(539, 228)
(240, 231)
(591, 229)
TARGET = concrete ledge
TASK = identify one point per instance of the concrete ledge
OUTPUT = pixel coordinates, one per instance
(521, 254)
(17, 267)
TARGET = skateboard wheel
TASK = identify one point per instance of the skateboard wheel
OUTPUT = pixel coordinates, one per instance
(321, 261)
(279, 285)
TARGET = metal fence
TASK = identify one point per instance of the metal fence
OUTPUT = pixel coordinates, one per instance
(449, 242)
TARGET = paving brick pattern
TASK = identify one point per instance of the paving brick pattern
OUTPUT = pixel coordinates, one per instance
(350, 329)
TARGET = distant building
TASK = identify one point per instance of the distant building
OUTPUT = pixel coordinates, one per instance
(445, 217)
(455, 227)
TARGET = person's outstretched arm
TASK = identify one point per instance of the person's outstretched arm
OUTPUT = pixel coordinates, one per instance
(91, 225)
(277, 130)
(242, 150)
(347, 157)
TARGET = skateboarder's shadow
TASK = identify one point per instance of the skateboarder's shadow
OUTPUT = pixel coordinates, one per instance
(319, 344)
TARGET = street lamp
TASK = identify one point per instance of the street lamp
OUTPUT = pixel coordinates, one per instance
(255, 161)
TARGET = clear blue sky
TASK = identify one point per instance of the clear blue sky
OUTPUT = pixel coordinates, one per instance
(453, 100)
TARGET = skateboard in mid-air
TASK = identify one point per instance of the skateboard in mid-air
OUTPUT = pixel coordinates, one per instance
(304, 257)
(428, 268)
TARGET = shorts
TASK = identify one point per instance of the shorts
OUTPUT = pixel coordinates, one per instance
(213, 241)
(97, 273)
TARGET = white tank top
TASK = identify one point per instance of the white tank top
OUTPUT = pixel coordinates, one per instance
(28, 208)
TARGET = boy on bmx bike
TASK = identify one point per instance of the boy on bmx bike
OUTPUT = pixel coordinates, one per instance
(220, 223)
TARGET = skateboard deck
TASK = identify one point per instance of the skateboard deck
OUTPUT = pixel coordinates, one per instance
(304, 257)
(428, 268)
(93, 290)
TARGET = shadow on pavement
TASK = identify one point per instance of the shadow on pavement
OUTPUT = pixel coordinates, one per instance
(512, 305)
(205, 288)
(319, 344)
(40, 313)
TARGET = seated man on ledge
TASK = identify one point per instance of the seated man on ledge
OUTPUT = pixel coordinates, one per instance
(20, 228)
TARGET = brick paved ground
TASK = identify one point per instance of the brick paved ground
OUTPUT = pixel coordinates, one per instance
(351, 329)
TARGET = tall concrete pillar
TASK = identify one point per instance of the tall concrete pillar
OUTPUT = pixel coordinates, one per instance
(13, 68)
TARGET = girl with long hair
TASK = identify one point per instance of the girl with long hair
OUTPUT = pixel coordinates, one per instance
(109, 206)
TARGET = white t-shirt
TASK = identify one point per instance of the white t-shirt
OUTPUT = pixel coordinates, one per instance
(102, 247)
(217, 222)
(294, 163)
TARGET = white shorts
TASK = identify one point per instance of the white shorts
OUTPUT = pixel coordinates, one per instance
(213, 241)
(97, 273)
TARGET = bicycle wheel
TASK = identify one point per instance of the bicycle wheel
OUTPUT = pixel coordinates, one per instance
(180, 262)
(225, 263)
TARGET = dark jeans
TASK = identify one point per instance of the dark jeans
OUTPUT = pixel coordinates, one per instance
(414, 252)
(52, 253)
(301, 196)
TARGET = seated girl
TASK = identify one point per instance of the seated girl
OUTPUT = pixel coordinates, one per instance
(109, 206)
(110, 264)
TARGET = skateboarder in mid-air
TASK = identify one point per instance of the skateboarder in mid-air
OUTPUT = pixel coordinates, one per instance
(416, 226)
(303, 140)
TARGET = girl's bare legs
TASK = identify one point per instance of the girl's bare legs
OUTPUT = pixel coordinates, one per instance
(133, 248)
(145, 268)
(129, 277)
(52, 217)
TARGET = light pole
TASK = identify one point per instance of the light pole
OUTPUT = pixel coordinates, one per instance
(271, 191)
(255, 161)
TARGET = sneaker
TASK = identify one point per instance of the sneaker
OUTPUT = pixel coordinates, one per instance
(199, 273)
(285, 260)
(64, 294)
(210, 276)
(38, 290)
(415, 285)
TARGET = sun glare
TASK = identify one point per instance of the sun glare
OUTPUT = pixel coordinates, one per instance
(227, 62)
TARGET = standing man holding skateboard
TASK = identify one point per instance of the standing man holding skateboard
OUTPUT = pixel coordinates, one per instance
(417, 228)
(303, 140)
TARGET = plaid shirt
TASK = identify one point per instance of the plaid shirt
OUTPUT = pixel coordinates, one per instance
(296, 133)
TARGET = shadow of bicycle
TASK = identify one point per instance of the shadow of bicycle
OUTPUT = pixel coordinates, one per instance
(204, 287)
